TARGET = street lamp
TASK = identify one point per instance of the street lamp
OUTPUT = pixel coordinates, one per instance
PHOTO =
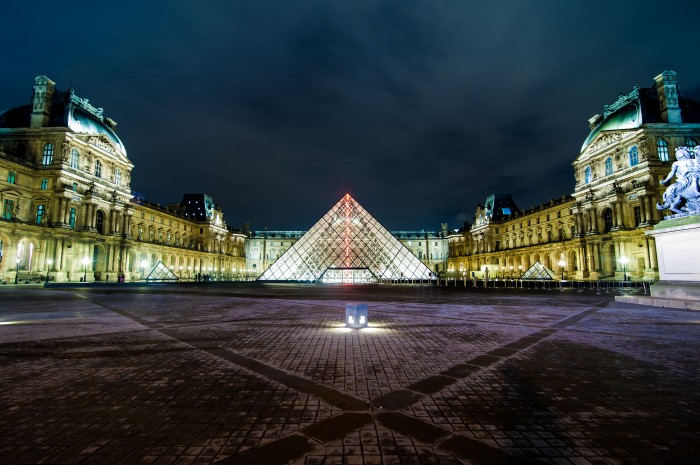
(180, 272)
(85, 264)
(624, 260)
(562, 264)
(17, 260)
(49, 262)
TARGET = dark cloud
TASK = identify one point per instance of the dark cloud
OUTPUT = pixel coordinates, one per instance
(418, 109)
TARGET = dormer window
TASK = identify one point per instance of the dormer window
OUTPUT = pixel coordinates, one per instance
(98, 168)
(662, 149)
(634, 155)
(48, 155)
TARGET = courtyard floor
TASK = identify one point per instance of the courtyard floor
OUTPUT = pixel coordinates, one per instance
(267, 375)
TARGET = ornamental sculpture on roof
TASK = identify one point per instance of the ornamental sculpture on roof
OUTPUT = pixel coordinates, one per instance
(683, 196)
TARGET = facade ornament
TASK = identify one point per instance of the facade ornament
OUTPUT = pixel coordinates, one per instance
(683, 196)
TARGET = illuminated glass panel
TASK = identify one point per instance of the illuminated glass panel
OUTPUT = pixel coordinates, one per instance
(538, 271)
(347, 245)
(587, 175)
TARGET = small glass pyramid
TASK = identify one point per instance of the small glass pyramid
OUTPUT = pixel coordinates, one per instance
(347, 245)
(538, 271)
(161, 272)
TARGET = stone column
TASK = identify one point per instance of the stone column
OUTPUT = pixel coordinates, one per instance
(648, 213)
(618, 214)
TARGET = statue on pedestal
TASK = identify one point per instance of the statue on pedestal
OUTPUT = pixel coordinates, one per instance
(683, 196)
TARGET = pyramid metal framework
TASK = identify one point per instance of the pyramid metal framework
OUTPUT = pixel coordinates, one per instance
(347, 245)
(538, 271)
(161, 272)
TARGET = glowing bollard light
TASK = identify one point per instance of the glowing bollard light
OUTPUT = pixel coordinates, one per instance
(356, 315)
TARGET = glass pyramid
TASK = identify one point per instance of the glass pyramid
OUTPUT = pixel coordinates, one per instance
(161, 272)
(347, 245)
(538, 271)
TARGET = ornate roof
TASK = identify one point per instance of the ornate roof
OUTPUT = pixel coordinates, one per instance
(67, 111)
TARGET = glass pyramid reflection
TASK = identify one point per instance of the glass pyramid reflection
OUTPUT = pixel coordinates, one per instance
(347, 245)
(538, 271)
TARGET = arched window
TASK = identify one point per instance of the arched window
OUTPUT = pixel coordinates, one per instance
(608, 166)
(587, 175)
(100, 221)
(98, 168)
(608, 219)
(691, 143)
(48, 155)
(74, 159)
(634, 155)
(662, 149)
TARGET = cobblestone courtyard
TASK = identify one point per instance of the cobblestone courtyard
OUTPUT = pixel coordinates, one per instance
(267, 375)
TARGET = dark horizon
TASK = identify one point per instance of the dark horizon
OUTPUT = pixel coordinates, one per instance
(278, 109)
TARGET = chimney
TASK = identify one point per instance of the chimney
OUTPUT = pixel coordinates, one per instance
(41, 101)
(667, 89)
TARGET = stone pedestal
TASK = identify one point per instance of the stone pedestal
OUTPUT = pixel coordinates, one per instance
(678, 254)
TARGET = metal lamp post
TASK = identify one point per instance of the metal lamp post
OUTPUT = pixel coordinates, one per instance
(624, 260)
(562, 264)
(49, 262)
(17, 260)
(85, 264)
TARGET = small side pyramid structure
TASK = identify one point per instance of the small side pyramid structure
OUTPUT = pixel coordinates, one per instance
(347, 245)
(538, 271)
(161, 272)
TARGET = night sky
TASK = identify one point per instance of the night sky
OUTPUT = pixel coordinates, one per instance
(418, 109)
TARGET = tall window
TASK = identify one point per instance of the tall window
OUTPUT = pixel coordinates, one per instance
(637, 215)
(608, 166)
(691, 143)
(608, 219)
(11, 177)
(100, 221)
(634, 155)
(587, 175)
(44, 184)
(48, 155)
(118, 176)
(71, 218)
(40, 213)
(74, 159)
(8, 208)
(98, 168)
(662, 149)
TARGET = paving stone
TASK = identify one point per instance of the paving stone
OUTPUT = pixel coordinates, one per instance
(187, 375)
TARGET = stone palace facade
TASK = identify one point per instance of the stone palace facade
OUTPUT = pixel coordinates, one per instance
(68, 210)
(597, 232)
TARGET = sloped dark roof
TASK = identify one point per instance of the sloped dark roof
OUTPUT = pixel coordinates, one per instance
(65, 113)
(639, 107)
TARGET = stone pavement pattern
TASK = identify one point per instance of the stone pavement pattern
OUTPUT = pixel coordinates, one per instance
(268, 375)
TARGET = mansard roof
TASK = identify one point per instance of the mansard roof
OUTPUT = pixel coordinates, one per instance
(67, 111)
(639, 107)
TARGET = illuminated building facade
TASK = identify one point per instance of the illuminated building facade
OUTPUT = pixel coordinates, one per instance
(598, 231)
(68, 209)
